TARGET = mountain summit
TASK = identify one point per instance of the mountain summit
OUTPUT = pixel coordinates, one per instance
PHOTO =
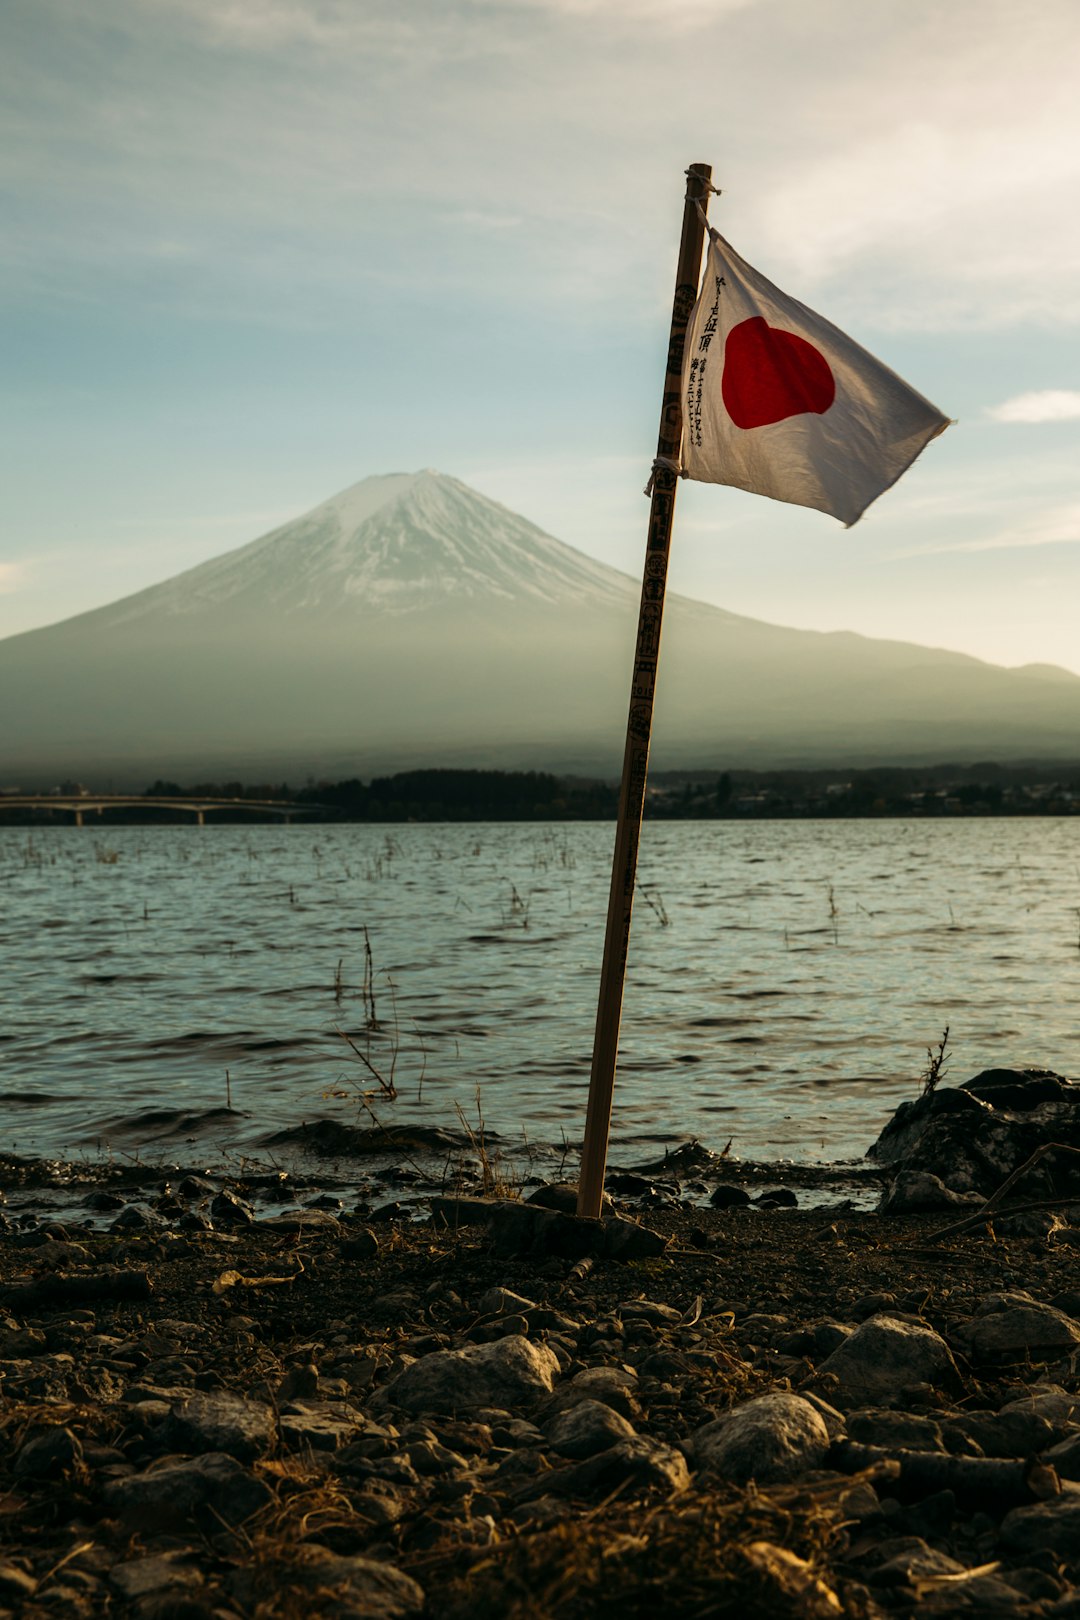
(399, 543)
(412, 621)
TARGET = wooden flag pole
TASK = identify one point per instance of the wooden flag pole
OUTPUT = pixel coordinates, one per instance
(642, 691)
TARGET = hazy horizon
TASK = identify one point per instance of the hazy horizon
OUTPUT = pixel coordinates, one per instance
(412, 621)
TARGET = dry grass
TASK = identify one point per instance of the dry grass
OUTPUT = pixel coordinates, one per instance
(702, 1554)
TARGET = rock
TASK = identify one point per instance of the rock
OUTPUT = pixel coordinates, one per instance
(463, 1211)
(771, 1440)
(563, 1196)
(1053, 1526)
(917, 1191)
(881, 1359)
(48, 1450)
(612, 1386)
(360, 1245)
(136, 1218)
(397, 1210)
(509, 1372)
(728, 1197)
(1003, 1334)
(1000, 1434)
(300, 1383)
(636, 1462)
(1065, 1458)
(973, 1136)
(218, 1420)
(201, 1490)
(228, 1210)
(651, 1311)
(908, 1430)
(1061, 1411)
(583, 1430)
(317, 1425)
(346, 1588)
(165, 1572)
(501, 1302)
(301, 1220)
(777, 1198)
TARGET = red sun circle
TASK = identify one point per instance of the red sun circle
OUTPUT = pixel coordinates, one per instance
(770, 375)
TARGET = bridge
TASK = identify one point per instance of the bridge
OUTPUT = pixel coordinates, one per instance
(83, 804)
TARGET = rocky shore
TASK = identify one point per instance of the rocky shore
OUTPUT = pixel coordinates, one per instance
(498, 1411)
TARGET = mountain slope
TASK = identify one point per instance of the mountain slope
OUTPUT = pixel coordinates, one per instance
(410, 621)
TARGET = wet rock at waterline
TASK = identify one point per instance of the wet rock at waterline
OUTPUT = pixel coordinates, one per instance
(914, 1192)
(972, 1137)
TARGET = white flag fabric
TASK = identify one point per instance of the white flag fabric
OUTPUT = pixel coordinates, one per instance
(780, 402)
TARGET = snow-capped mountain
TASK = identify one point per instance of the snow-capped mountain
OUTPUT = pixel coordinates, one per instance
(400, 543)
(412, 621)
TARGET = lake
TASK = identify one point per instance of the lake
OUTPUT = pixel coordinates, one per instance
(786, 979)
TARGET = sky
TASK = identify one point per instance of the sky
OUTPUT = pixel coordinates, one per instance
(258, 250)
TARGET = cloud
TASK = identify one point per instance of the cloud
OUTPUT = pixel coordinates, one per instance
(621, 11)
(1057, 526)
(11, 577)
(1047, 405)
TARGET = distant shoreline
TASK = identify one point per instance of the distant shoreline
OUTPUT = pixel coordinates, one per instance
(442, 796)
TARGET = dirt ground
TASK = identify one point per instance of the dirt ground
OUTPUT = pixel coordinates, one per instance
(104, 1334)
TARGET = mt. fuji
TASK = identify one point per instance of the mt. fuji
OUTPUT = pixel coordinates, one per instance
(411, 621)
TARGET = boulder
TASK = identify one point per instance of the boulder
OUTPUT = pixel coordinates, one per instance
(972, 1137)
(882, 1358)
(772, 1439)
(507, 1373)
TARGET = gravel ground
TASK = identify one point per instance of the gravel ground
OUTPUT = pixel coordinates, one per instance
(761, 1411)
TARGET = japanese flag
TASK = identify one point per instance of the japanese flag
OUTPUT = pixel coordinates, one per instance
(779, 402)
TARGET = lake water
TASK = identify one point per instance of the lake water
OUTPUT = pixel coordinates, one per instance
(785, 981)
